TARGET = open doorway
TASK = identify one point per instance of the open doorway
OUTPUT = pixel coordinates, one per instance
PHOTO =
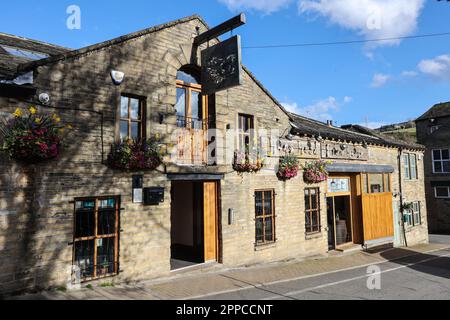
(194, 223)
(339, 214)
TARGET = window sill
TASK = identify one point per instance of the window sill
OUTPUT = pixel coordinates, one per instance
(313, 235)
(265, 246)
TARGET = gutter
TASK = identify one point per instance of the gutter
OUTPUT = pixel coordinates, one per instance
(400, 153)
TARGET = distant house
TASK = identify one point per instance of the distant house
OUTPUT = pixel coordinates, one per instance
(433, 131)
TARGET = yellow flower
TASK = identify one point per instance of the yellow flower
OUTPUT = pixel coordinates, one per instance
(61, 130)
(32, 110)
(37, 120)
(18, 113)
(69, 126)
(56, 118)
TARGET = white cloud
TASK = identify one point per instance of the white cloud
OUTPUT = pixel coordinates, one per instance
(379, 80)
(321, 110)
(438, 68)
(369, 18)
(373, 124)
(266, 6)
(409, 74)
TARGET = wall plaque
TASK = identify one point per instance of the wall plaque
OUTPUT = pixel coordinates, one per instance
(222, 66)
(332, 150)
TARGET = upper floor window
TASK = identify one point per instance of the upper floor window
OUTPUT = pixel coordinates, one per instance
(191, 105)
(441, 160)
(410, 166)
(132, 118)
(442, 192)
(245, 134)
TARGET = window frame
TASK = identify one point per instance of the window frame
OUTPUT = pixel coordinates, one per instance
(440, 197)
(386, 179)
(414, 215)
(264, 216)
(97, 237)
(312, 211)
(242, 135)
(188, 120)
(441, 161)
(142, 121)
(411, 171)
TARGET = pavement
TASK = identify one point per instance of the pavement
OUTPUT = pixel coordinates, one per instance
(420, 272)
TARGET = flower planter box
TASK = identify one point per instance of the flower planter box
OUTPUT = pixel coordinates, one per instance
(135, 155)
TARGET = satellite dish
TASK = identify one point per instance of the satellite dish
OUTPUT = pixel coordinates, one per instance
(117, 77)
(44, 98)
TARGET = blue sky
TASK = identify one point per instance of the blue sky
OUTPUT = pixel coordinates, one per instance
(381, 82)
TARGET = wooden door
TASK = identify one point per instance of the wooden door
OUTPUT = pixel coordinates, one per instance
(378, 218)
(210, 220)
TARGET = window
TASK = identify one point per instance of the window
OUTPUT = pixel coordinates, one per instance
(22, 53)
(132, 118)
(441, 160)
(442, 192)
(312, 210)
(245, 134)
(265, 217)
(191, 105)
(412, 217)
(410, 166)
(96, 238)
(376, 182)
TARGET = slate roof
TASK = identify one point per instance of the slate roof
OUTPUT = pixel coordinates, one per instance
(9, 62)
(437, 111)
(351, 133)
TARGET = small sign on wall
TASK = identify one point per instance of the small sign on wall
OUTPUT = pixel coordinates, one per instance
(138, 182)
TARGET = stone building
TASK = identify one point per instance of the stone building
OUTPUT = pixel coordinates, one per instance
(433, 131)
(76, 218)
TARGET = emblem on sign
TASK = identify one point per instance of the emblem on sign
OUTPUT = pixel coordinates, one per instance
(221, 66)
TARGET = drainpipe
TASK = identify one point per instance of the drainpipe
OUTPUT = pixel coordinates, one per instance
(400, 150)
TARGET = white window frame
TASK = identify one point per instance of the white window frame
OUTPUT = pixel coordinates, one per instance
(439, 160)
(414, 216)
(408, 167)
(439, 197)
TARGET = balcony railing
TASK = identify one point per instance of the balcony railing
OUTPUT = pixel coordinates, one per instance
(192, 140)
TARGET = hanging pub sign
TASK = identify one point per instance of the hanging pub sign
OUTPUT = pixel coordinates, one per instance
(222, 66)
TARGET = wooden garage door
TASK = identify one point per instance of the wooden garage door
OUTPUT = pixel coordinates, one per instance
(378, 217)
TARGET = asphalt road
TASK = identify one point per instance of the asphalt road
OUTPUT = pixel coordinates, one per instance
(423, 276)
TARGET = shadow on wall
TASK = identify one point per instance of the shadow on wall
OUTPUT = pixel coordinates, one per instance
(36, 213)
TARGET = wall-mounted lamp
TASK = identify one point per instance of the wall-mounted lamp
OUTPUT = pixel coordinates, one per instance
(117, 77)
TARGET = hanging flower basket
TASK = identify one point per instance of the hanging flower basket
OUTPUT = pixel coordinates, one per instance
(135, 155)
(246, 162)
(315, 172)
(288, 167)
(32, 137)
